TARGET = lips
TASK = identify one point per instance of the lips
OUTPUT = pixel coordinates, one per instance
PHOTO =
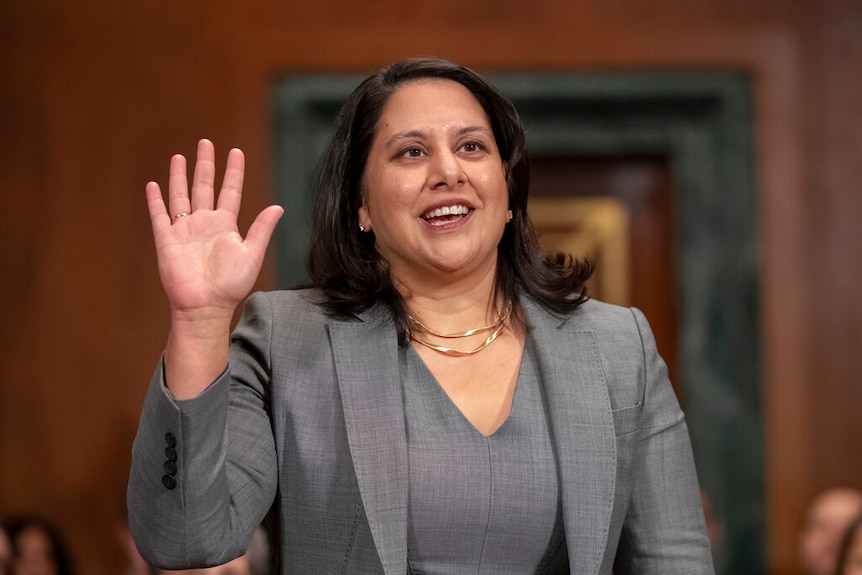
(442, 215)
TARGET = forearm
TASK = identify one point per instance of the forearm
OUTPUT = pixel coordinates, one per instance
(224, 475)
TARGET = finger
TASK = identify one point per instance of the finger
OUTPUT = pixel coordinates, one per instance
(159, 217)
(178, 187)
(204, 178)
(261, 230)
(230, 195)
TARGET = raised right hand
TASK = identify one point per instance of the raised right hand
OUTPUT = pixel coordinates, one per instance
(206, 266)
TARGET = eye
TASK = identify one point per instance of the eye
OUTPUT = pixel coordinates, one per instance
(473, 146)
(411, 152)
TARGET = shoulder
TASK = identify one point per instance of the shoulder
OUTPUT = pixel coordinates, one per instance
(621, 336)
(296, 312)
(275, 315)
(295, 303)
(601, 315)
(284, 325)
(607, 321)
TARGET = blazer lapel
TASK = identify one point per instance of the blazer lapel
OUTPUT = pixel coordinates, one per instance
(366, 361)
(582, 431)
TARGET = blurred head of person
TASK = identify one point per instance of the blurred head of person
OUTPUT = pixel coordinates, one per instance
(826, 521)
(256, 561)
(37, 548)
(850, 558)
(239, 566)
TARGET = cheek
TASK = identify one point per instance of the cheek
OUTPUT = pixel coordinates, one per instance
(387, 209)
(398, 203)
(392, 188)
(402, 190)
(494, 183)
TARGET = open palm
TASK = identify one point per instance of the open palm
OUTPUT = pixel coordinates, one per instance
(204, 262)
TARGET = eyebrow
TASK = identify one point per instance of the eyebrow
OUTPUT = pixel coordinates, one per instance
(419, 134)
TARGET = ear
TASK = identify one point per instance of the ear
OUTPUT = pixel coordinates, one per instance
(364, 218)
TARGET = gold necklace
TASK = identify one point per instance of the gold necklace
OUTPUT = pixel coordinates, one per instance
(419, 327)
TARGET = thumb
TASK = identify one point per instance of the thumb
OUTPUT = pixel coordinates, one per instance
(261, 229)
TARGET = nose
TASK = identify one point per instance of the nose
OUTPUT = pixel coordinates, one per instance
(445, 171)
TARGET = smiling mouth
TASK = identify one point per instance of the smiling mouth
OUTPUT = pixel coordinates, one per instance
(446, 215)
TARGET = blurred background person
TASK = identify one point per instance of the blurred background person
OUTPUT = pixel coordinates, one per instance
(5, 552)
(239, 566)
(136, 565)
(826, 520)
(37, 548)
(850, 560)
(256, 561)
(260, 557)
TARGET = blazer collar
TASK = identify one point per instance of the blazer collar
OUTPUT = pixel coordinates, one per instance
(579, 414)
(366, 362)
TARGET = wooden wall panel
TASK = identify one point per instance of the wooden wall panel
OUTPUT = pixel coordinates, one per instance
(96, 96)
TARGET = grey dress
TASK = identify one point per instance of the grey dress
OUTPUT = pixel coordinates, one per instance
(484, 505)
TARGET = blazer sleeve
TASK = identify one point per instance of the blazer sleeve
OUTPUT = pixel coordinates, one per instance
(204, 470)
(663, 531)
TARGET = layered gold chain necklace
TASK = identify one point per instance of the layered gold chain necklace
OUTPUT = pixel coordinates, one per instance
(417, 328)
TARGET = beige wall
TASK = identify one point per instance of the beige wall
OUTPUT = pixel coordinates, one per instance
(97, 95)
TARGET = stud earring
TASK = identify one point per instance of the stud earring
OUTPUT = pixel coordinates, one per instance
(509, 216)
(361, 228)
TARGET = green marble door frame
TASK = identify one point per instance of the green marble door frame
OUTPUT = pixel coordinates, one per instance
(701, 122)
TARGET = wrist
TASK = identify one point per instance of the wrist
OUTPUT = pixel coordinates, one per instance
(195, 354)
(203, 324)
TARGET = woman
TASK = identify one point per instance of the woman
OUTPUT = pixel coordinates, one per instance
(850, 558)
(442, 399)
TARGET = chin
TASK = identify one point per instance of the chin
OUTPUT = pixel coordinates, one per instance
(461, 263)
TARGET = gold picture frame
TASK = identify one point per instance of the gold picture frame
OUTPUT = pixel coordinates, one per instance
(589, 227)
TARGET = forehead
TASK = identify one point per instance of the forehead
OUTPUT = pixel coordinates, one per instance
(33, 537)
(837, 503)
(431, 104)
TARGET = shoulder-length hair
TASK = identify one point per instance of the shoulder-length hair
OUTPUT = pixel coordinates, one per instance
(344, 263)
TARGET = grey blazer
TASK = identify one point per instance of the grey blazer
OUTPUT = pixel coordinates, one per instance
(309, 413)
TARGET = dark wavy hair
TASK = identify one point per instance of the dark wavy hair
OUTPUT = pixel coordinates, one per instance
(345, 264)
(853, 531)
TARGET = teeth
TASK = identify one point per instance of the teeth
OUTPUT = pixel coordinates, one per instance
(447, 211)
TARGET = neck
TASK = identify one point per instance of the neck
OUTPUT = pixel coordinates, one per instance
(455, 305)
